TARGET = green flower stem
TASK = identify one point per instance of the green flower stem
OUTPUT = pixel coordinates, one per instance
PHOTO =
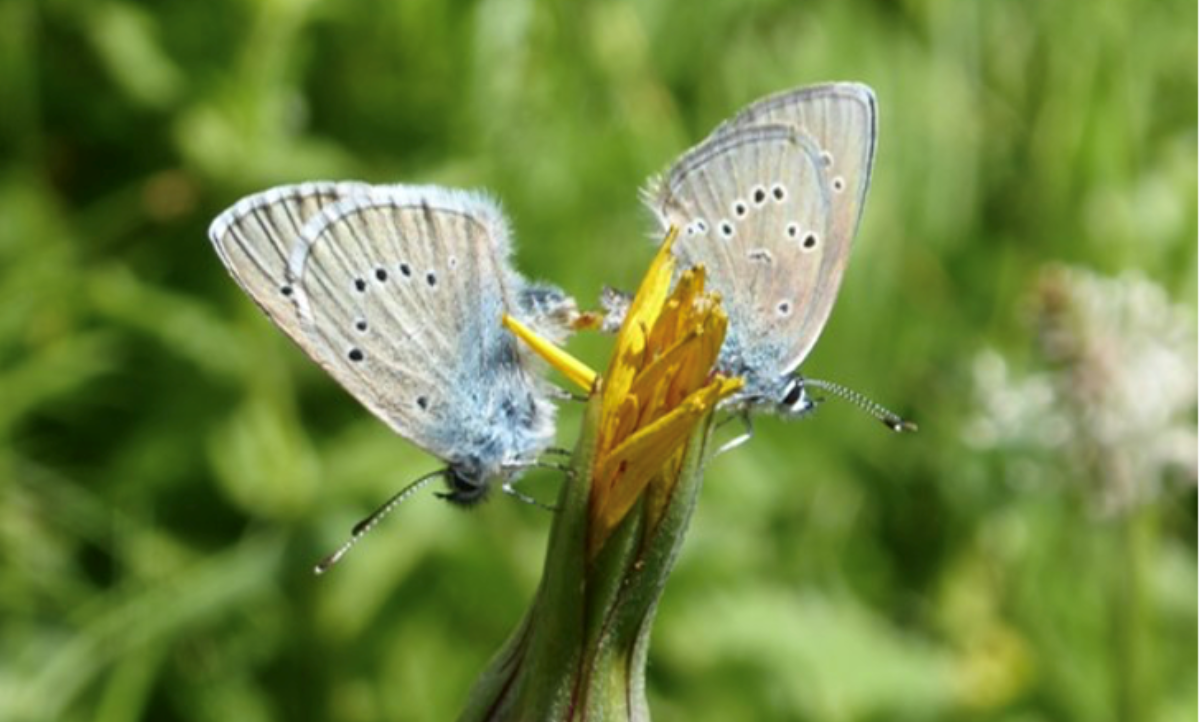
(1132, 617)
(580, 652)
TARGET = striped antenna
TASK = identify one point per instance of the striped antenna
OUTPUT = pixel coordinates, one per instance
(360, 529)
(893, 421)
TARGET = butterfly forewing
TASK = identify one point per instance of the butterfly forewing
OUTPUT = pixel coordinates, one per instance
(841, 120)
(400, 292)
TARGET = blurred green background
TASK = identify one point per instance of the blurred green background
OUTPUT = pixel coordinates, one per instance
(1023, 285)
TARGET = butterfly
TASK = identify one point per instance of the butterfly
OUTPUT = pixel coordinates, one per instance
(769, 204)
(397, 291)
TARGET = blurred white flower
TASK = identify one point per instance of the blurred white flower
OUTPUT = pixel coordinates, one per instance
(1013, 411)
(1116, 389)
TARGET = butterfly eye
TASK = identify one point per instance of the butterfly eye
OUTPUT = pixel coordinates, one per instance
(739, 209)
(793, 230)
(760, 195)
(381, 275)
(779, 193)
(360, 285)
(810, 241)
(839, 184)
(405, 270)
(784, 309)
(286, 290)
(355, 355)
(827, 159)
(726, 229)
(794, 394)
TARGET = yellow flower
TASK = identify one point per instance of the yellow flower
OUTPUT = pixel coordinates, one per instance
(659, 384)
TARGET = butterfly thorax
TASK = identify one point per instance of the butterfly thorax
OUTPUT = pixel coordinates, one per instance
(500, 429)
(765, 388)
(508, 432)
(501, 442)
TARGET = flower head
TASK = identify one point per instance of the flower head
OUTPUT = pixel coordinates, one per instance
(658, 386)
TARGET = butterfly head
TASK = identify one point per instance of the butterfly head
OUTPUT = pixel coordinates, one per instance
(794, 401)
(467, 483)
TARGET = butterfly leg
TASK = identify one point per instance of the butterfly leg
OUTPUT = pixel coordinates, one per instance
(737, 440)
(564, 395)
(509, 488)
(560, 467)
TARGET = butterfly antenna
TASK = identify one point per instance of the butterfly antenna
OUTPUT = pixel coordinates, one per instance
(361, 528)
(892, 421)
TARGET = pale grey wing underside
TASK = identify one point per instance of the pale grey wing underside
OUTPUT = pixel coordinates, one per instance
(833, 129)
(397, 291)
(752, 210)
(254, 239)
(400, 292)
(842, 121)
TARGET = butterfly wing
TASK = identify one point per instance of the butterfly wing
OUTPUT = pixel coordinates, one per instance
(752, 210)
(397, 292)
(842, 121)
(400, 291)
(780, 270)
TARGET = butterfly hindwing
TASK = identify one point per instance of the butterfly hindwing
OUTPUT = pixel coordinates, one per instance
(751, 209)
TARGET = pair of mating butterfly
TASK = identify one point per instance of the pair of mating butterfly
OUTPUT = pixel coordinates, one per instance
(397, 291)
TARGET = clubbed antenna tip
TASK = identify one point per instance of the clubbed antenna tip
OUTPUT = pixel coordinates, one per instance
(361, 528)
(900, 426)
(891, 420)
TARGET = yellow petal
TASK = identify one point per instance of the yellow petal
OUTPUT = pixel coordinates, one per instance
(652, 292)
(571, 367)
(641, 456)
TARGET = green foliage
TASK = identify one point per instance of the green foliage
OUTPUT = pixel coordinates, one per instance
(170, 466)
